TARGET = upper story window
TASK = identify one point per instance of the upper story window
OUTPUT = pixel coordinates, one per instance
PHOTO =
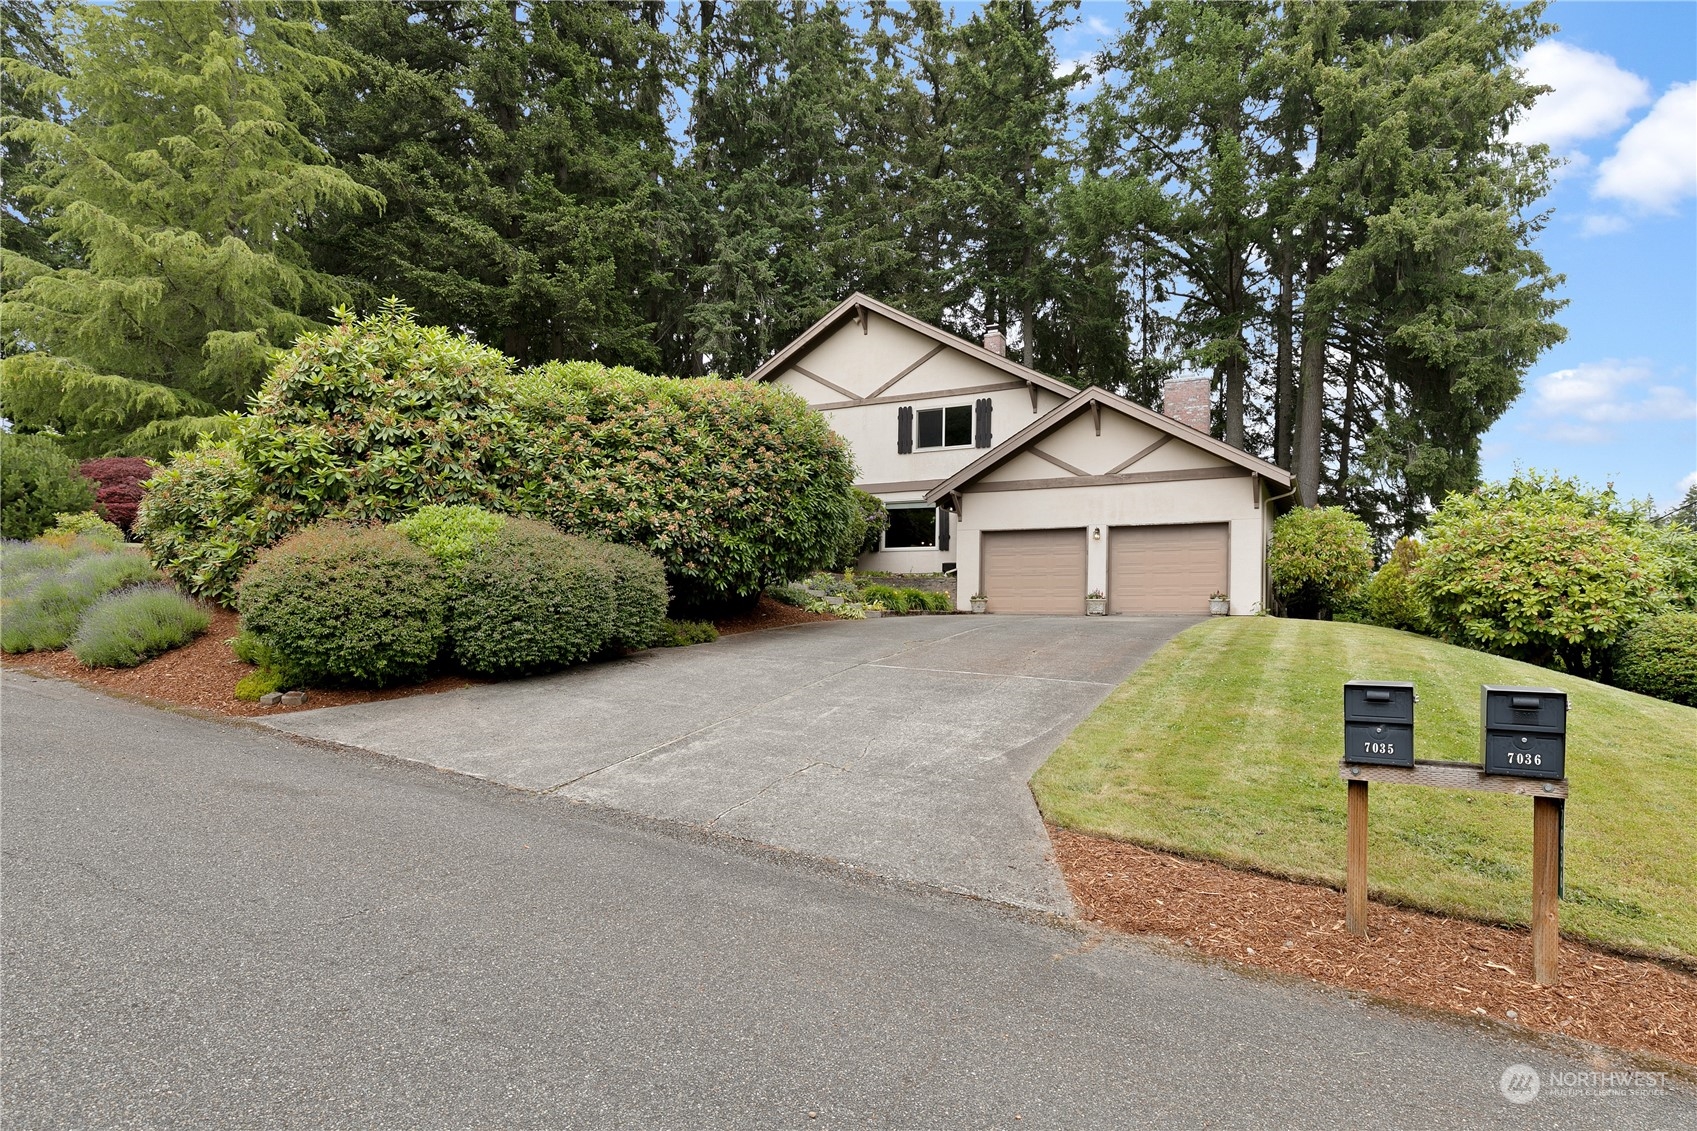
(952, 426)
(949, 427)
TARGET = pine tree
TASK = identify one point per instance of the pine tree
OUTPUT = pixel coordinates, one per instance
(181, 177)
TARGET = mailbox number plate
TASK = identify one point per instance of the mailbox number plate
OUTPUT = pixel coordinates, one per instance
(1379, 744)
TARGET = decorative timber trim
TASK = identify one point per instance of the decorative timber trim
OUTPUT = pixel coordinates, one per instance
(832, 385)
(1453, 775)
(1184, 474)
(885, 387)
(1060, 463)
(1140, 454)
(1096, 412)
(909, 398)
(893, 488)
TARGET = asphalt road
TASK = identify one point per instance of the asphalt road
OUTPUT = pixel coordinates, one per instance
(206, 925)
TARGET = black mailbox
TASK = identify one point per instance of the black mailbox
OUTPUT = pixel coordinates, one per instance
(1378, 723)
(1525, 731)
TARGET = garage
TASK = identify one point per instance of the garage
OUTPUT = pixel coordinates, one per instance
(1034, 571)
(1167, 569)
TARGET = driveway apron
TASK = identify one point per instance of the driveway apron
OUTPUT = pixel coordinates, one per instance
(901, 745)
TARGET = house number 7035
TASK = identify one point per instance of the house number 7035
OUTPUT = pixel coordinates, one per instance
(1378, 748)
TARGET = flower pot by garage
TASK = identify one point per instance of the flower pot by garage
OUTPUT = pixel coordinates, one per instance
(1096, 606)
(1219, 606)
(980, 604)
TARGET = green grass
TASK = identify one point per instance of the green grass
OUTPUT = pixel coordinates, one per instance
(1225, 746)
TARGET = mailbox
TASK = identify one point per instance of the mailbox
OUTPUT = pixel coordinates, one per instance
(1525, 731)
(1378, 723)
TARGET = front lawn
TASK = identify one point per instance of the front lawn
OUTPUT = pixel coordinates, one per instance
(1225, 746)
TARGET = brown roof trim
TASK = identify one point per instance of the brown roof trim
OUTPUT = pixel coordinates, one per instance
(1059, 415)
(790, 354)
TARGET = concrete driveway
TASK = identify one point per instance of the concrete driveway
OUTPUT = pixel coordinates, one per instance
(902, 745)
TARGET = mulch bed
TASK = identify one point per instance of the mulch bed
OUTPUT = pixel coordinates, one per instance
(203, 675)
(767, 613)
(1426, 960)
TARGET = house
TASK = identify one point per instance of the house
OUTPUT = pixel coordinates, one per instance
(1033, 491)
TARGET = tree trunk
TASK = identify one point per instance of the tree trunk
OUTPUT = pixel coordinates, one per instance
(1311, 411)
(1232, 396)
(1347, 421)
(1284, 394)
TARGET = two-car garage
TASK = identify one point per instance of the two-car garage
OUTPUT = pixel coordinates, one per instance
(1102, 495)
(1165, 569)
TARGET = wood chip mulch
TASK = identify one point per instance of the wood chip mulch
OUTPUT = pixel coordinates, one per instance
(203, 676)
(767, 613)
(1426, 960)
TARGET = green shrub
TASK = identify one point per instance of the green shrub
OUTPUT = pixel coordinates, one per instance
(639, 595)
(43, 615)
(1677, 545)
(530, 599)
(347, 605)
(451, 534)
(1318, 558)
(733, 485)
(22, 562)
(865, 530)
(1390, 599)
(37, 482)
(682, 633)
(887, 596)
(1542, 570)
(1658, 657)
(89, 525)
(203, 520)
(259, 683)
(933, 602)
(730, 484)
(125, 628)
(793, 595)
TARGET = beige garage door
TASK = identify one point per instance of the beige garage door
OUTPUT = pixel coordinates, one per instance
(1167, 569)
(1033, 571)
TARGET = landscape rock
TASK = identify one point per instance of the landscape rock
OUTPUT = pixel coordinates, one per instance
(294, 698)
(271, 699)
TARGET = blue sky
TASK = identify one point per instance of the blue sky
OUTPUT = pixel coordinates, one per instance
(1617, 401)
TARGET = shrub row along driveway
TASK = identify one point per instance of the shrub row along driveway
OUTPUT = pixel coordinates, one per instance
(902, 744)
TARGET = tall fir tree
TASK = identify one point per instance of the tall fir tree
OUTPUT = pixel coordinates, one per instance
(181, 178)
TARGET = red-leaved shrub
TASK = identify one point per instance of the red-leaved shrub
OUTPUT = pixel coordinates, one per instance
(117, 482)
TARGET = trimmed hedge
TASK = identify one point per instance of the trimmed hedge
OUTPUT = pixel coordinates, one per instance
(732, 485)
(530, 599)
(1659, 657)
(37, 482)
(131, 626)
(342, 604)
(1318, 558)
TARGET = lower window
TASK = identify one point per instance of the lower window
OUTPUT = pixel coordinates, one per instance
(911, 528)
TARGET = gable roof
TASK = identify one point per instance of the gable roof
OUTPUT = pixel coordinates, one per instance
(858, 304)
(1059, 415)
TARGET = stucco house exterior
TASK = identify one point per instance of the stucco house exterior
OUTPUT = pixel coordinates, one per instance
(1032, 491)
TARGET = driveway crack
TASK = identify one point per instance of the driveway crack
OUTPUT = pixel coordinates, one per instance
(769, 786)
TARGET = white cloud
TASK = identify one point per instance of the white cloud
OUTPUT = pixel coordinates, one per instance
(1602, 225)
(1592, 95)
(1688, 482)
(1585, 404)
(1655, 165)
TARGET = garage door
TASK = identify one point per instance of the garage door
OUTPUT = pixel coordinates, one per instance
(1033, 571)
(1167, 569)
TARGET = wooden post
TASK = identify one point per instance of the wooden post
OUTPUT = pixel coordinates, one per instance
(1355, 883)
(1546, 875)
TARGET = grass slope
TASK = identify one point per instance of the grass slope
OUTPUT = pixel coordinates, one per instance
(1225, 746)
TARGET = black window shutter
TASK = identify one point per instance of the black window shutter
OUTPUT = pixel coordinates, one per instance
(942, 529)
(904, 430)
(982, 439)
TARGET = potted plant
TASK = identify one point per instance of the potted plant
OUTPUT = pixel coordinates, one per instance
(980, 603)
(1096, 603)
(1219, 605)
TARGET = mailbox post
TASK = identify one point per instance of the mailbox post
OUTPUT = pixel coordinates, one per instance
(1523, 750)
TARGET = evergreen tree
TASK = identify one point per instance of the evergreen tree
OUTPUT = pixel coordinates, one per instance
(524, 157)
(180, 177)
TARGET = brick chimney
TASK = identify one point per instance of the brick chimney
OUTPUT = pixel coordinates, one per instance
(995, 342)
(1185, 398)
